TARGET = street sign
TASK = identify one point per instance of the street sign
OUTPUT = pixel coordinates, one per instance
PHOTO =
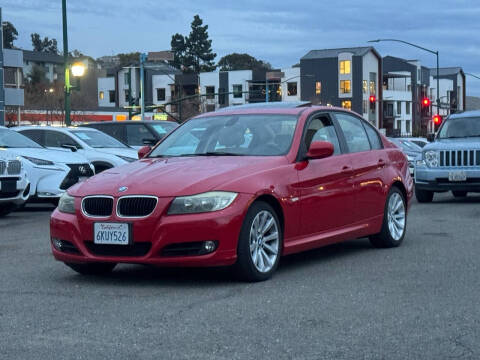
(160, 56)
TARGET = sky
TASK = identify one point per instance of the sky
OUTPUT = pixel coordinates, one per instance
(279, 32)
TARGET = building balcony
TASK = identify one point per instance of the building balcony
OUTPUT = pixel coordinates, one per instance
(397, 95)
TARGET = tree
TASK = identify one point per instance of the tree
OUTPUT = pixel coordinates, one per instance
(37, 75)
(128, 58)
(194, 52)
(242, 62)
(10, 34)
(46, 45)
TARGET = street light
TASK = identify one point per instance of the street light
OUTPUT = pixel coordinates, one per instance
(78, 69)
(425, 49)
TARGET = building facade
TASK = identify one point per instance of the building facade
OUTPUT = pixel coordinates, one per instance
(50, 64)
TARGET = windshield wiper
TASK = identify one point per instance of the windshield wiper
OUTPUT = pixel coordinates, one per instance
(220, 153)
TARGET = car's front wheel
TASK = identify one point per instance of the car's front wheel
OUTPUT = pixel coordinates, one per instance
(260, 243)
(394, 221)
(423, 196)
(459, 194)
(92, 268)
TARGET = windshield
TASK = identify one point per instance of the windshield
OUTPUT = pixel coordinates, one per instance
(409, 146)
(12, 139)
(248, 135)
(163, 129)
(97, 139)
(460, 127)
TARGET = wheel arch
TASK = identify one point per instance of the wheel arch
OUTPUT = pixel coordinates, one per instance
(398, 184)
(275, 204)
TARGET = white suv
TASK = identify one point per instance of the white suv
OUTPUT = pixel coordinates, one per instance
(14, 184)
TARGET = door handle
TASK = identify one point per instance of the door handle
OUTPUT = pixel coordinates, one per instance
(381, 163)
(346, 169)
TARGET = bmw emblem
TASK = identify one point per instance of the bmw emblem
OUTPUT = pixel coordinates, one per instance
(122, 189)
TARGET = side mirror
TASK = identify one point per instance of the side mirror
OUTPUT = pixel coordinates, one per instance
(320, 150)
(143, 151)
(69, 146)
(149, 142)
(430, 137)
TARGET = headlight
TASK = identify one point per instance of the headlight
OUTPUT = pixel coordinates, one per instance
(410, 158)
(431, 158)
(66, 204)
(40, 162)
(206, 202)
(126, 158)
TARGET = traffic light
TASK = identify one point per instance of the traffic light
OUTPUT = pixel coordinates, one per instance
(437, 120)
(426, 107)
(426, 102)
(372, 99)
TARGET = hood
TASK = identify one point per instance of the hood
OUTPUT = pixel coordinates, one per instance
(174, 176)
(56, 156)
(468, 143)
(131, 153)
(7, 154)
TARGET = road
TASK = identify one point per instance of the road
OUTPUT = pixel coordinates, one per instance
(346, 301)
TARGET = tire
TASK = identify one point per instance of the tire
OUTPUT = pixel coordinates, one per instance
(92, 268)
(392, 232)
(257, 257)
(459, 194)
(423, 196)
(6, 209)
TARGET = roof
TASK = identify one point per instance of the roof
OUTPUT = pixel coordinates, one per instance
(333, 53)
(128, 122)
(446, 71)
(471, 113)
(269, 105)
(37, 56)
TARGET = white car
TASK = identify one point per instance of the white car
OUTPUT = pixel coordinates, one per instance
(50, 172)
(418, 141)
(14, 184)
(102, 150)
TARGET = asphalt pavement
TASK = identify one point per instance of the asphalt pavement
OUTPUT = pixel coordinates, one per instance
(346, 301)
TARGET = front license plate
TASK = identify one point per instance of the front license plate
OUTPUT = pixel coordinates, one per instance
(457, 176)
(8, 186)
(111, 233)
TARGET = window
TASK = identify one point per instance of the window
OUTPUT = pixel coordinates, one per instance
(389, 110)
(318, 88)
(399, 125)
(345, 66)
(347, 104)
(399, 107)
(407, 126)
(345, 87)
(407, 108)
(355, 134)
(221, 96)
(210, 107)
(111, 96)
(364, 86)
(210, 91)
(365, 106)
(322, 129)
(101, 95)
(57, 139)
(35, 135)
(372, 134)
(237, 91)
(292, 89)
(372, 87)
(137, 133)
(127, 92)
(161, 94)
(126, 78)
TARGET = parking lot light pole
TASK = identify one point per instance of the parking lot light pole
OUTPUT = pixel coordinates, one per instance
(65, 64)
(425, 49)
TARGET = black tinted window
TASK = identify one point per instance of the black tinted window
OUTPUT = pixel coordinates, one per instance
(35, 135)
(137, 133)
(373, 137)
(57, 139)
(355, 134)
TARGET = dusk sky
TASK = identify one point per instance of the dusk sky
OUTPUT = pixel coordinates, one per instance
(278, 32)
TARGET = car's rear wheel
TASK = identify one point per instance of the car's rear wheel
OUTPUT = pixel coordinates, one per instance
(92, 268)
(394, 221)
(259, 244)
(423, 196)
(459, 194)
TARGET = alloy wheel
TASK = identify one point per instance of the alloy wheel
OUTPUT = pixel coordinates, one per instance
(396, 216)
(264, 241)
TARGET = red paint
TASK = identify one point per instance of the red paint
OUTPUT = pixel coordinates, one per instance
(322, 200)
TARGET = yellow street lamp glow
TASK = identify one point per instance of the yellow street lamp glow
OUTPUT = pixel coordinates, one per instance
(78, 69)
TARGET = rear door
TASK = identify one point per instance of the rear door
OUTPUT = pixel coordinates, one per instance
(325, 184)
(369, 161)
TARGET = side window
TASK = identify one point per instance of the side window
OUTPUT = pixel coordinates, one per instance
(322, 129)
(35, 135)
(57, 139)
(137, 133)
(373, 137)
(354, 132)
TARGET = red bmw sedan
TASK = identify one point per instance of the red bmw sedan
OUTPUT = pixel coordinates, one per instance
(243, 187)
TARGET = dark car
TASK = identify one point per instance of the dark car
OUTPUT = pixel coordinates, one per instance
(135, 133)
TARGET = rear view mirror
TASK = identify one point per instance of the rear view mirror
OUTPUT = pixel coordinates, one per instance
(320, 150)
(431, 137)
(69, 146)
(150, 142)
(143, 151)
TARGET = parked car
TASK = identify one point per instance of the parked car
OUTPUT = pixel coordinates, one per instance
(102, 150)
(452, 161)
(14, 184)
(135, 133)
(239, 187)
(50, 172)
(418, 141)
(412, 150)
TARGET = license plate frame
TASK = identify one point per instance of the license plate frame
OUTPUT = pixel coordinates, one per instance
(8, 185)
(457, 176)
(114, 233)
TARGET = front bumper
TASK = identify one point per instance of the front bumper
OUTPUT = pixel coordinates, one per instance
(153, 234)
(436, 179)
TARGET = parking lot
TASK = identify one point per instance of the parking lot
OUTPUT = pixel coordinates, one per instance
(343, 301)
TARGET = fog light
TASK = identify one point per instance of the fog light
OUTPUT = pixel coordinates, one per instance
(209, 246)
(57, 244)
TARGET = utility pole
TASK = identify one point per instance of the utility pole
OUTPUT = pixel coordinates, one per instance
(129, 93)
(65, 64)
(143, 57)
(2, 90)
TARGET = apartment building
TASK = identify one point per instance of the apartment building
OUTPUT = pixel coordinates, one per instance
(344, 77)
(452, 89)
(52, 64)
(397, 103)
